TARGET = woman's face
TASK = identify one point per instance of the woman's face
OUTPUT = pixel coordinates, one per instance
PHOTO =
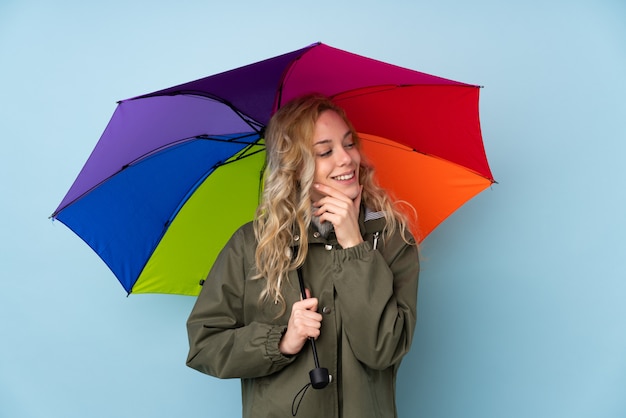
(337, 159)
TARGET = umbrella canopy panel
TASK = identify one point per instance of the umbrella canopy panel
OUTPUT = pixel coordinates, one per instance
(410, 176)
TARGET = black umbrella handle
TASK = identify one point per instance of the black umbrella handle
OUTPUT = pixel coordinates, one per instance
(319, 375)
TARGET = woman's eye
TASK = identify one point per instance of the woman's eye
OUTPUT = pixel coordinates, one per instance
(325, 154)
(350, 145)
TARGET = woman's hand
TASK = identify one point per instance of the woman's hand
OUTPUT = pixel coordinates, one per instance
(304, 323)
(343, 212)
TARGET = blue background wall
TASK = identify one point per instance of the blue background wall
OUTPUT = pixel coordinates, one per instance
(521, 304)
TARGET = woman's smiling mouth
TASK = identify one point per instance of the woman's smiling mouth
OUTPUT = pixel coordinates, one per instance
(344, 177)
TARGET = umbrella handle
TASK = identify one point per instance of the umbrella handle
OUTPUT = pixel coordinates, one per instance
(319, 375)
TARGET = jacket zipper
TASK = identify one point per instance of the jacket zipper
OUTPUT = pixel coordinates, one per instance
(376, 234)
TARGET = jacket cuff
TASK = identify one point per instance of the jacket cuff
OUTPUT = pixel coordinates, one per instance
(274, 335)
(358, 252)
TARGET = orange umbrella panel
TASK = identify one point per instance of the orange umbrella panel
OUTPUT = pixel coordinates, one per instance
(432, 186)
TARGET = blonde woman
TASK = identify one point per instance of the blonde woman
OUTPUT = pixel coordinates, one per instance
(323, 214)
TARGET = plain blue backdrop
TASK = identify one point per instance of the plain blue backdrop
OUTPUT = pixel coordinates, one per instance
(521, 298)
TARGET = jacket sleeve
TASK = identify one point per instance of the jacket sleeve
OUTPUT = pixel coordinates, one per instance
(378, 296)
(221, 344)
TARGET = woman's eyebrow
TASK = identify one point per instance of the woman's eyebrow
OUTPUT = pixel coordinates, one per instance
(326, 141)
(322, 142)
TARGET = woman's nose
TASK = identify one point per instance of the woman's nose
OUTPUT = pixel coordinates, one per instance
(342, 157)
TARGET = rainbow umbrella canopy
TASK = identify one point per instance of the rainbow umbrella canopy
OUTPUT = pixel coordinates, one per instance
(177, 171)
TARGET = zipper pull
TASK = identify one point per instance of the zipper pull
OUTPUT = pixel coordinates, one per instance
(376, 234)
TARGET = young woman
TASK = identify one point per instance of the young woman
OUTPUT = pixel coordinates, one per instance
(321, 213)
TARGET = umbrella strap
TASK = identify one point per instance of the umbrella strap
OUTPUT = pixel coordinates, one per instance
(299, 397)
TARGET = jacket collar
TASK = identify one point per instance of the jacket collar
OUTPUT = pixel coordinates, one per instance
(370, 222)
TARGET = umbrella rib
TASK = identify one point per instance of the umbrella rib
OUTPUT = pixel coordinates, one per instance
(286, 73)
(256, 126)
(360, 91)
(242, 154)
(409, 149)
(375, 89)
(206, 137)
(393, 145)
(235, 140)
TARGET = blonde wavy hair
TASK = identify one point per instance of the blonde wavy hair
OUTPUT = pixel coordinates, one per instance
(285, 208)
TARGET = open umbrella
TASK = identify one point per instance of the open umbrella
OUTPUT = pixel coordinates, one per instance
(178, 170)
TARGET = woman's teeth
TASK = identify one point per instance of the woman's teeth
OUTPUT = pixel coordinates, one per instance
(344, 177)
